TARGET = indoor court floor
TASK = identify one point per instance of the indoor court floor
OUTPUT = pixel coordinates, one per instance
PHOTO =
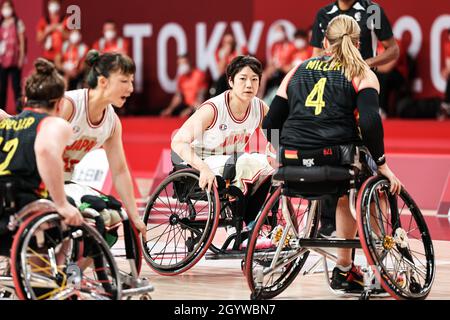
(224, 280)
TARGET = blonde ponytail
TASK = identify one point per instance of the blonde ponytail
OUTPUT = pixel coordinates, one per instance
(343, 34)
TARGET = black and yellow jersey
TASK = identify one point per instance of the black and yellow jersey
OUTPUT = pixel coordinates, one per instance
(322, 105)
(17, 156)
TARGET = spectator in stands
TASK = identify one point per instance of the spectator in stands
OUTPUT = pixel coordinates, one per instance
(111, 41)
(227, 51)
(279, 63)
(303, 51)
(71, 60)
(52, 31)
(393, 77)
(191, 89)
(12, 52)
(445, 106)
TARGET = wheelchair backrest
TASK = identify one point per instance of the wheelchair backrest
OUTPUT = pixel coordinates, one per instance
(8, 190)
(319, 173)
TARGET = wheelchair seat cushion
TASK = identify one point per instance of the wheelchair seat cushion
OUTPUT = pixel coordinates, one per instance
(339, 155)
(316, 173)
(313, 174)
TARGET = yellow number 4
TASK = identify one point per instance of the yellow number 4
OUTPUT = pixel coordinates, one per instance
(10, 147)
(315, 98)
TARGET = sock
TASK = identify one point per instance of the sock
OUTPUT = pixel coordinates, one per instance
(344, 269)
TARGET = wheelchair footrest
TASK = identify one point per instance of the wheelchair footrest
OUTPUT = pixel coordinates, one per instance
(142, 287)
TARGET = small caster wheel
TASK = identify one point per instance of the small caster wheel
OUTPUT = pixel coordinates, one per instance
(242, 265)
(145, 297)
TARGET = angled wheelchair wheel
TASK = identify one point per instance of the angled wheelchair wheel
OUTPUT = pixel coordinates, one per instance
(395, 240)
(271, 263)
(181, 223)
(50, 260)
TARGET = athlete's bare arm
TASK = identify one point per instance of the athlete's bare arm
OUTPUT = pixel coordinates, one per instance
(193, 129)
(51, 139)
(66, 109)
(121, 175)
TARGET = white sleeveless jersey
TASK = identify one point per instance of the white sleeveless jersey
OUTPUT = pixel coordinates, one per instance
(86, 136)
(227, 135)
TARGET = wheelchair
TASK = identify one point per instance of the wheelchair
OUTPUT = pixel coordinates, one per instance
(182, 220)
(110, 219)
(45, 255)
(49, 260)
(393, 234)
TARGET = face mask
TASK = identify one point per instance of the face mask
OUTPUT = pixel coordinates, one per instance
(299, 43)
(183, 69)
(110, 35)
(7, 12)
(278, 36)
(74, 37)
(53, 7)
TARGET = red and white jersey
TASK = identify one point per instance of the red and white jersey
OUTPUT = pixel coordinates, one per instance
(227, 135)
(86, 136)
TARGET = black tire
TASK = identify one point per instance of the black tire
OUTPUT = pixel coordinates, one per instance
(45, 252)
(191, 221)
(395, 239)
(266, 227)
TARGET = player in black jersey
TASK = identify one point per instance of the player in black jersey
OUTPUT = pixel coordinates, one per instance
(314, 108)
(31, 148)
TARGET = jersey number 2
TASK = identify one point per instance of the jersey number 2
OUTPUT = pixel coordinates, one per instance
(315, 98)
(10, 148)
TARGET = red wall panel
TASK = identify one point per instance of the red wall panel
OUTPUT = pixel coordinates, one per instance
(203, 19)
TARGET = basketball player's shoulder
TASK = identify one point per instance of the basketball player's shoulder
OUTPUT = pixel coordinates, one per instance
(369, 80)
(215, 102)
(74, 93)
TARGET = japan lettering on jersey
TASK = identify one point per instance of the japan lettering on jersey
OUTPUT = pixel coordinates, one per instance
(86, 136)
(228, 135)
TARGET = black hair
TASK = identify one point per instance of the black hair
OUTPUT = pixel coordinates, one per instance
(45, 86)
(184, 56)
(241, 62)
(110, 21)
(301, 33)
(105, 64)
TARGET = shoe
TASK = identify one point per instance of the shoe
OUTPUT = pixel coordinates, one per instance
(261, 243)
(349, 281)
(327, 231)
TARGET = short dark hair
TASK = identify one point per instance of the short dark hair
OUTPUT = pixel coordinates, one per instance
(105, 64)
(110, 21)
(241, 62)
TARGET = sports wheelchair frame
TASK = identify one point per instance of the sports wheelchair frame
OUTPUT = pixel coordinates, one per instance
(182, 220)
(51, 260)
(392, 233)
